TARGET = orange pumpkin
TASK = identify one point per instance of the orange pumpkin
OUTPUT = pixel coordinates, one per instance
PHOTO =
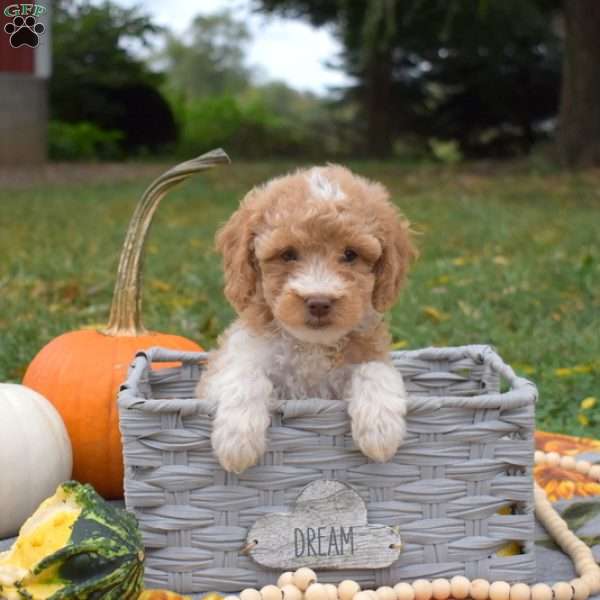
(80, 372)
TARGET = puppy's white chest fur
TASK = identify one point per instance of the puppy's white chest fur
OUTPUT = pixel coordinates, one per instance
(295, 369)
(302, 370)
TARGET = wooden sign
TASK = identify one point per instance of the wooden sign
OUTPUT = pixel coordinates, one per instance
(326, 529)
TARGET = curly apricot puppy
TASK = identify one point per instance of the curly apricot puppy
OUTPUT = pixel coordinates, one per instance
(311, 261)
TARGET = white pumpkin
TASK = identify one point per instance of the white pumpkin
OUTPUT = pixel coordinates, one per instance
(35, 454)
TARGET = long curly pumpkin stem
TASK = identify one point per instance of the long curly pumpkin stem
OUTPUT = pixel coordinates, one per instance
(126, 308)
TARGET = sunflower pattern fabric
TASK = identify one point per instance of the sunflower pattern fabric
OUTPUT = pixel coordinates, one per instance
(558, 483)
(575, 496)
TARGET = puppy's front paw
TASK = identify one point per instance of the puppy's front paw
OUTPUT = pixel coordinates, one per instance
(237, 447)
(377, 406)
(379, 437)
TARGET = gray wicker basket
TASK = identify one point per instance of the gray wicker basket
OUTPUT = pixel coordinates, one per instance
(468, 455)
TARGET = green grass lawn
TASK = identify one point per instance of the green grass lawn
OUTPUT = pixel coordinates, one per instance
(509, 257)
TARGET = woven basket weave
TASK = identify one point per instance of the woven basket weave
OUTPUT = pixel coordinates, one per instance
(468, 456)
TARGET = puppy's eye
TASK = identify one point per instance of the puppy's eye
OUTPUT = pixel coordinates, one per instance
(349, 255)
(289, 255)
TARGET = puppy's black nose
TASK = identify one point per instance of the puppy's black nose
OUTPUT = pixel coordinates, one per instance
(318, 306)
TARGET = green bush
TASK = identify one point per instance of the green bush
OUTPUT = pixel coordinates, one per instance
(82, 141)
(446, 151)
(209, 122)
(255, 125)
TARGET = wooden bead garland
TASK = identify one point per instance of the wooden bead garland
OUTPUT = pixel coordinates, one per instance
(291, 592)
(302, 585)
(423, 589)
(347, 589)
(315, 591)
(386, 593)
(440, 589)
(285, 579)
(562, 591)
(581, 590)
(404, 591)
(459, 587)
(332, 591)
(480, 589)
(520, 591)
(541, 591)
(250, 594)
(303, 578)
(271, 592)
(500, 590)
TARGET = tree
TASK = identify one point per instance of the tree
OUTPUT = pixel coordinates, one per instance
(496, 76)
(484, 72)
(579, 129)
(95, 78)
(211, 59)
(218, 103)
(363, 28)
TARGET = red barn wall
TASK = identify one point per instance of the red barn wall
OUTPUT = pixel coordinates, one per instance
(14, 60)
(23, 98)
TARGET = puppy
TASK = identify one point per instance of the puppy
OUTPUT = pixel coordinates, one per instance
(311, 260)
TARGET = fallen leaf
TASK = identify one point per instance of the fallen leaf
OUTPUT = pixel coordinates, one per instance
(434, 314)
(179, 302)
(97, 326)
(588, 403)
(509, 549)
(563, 372)
(584, 420)
(441, 280)
(468, 310)
(160, 285)
(39, 288)
(575, 370)
(70, 291)
(399, 345)
(525, 368)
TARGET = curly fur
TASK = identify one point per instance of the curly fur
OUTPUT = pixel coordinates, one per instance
(287, 243)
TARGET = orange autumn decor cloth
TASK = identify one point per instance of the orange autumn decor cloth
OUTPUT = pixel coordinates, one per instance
(162, 595)
(558, 483)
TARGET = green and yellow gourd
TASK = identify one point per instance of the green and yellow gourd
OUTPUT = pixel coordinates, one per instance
(76, 547)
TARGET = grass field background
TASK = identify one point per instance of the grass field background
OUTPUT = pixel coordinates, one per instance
(509, 257)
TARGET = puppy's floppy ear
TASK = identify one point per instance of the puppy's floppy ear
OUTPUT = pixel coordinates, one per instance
(397, 254)
(235, 241)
